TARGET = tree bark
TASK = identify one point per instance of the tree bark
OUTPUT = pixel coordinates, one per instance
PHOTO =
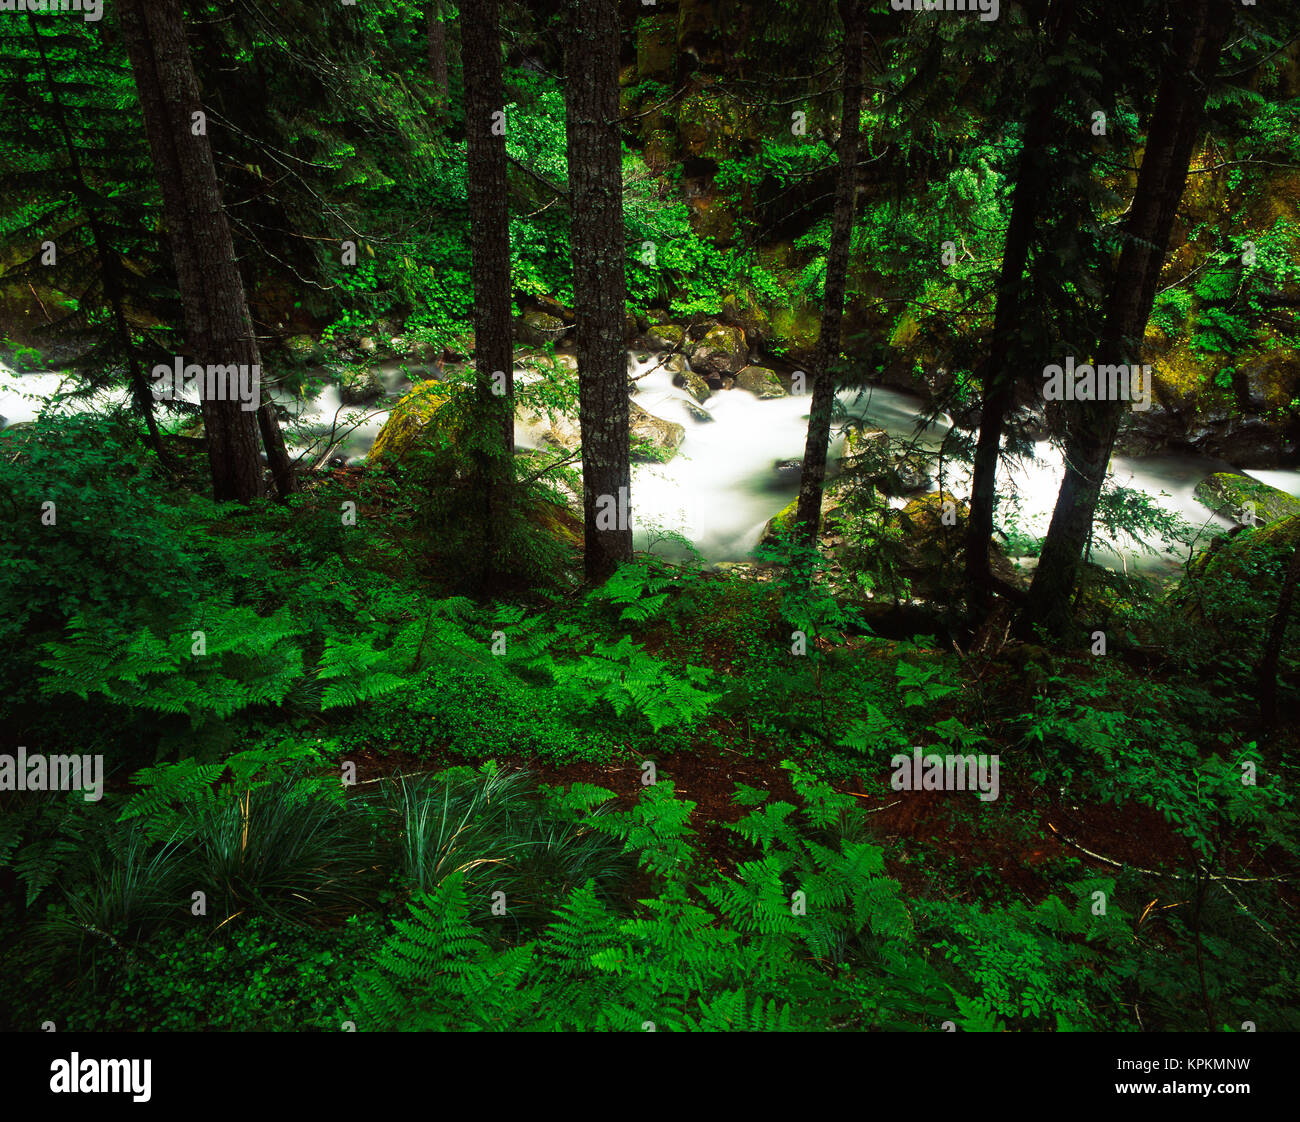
(218, 325)
(437, 39)
(1202, 27)
(595, 156)
(489, 235)
(812, 478)
(997, 377)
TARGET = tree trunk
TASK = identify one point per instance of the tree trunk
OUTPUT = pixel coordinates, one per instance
(437, 36)
(1267, 675)
(813, 476)
(599, 283)
(997, 377)
(218, 326)
(489, 235)
(1199, 36)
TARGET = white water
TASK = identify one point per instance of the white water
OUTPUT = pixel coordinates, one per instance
(1288, 481)
(721, 488)
(23, 396)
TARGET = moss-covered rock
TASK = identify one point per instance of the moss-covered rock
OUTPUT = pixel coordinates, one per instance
(360, 385)
(1248, 552)
(660, 150)
(742, 309)
(547, 363)
(910, 472)
(759, 380)
(1233, 586)
(654, 440)
(537, 328)
(304, 349)
(932, 540)
(557, 520)
(711, 124)
(712, 217)
(866, 453)
(934, 529)
(783, 520)
(1228, 494)
(796, 328)
(402, 431)
(723, 350)
(691, 382)
(656, 44)
(698, 414)
(665, 336)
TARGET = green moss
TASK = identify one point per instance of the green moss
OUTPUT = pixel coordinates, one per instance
(1227, 494)
(409, 416)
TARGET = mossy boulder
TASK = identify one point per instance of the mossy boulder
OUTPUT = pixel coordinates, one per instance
(691, 382)
(866, 452)
(723, 350)
(795, 330)
(1233, 586)
(910, 473)
(712, 124)
(676, 364)
(1228, 494)
(414, 348)
(557, 520)
(537, 328)
(359, 385)
(406, 424)
(868, 456)
(783, 520)
(654, 440)
(934, 529)
(545, 363)
(1278, 198)
(660, 150)
(712, 217)
(656, 45)
(761, 381)
(304, 349)
(665, 336)
(932, 533)
(742, 309)
(699, 415)
(1248, 553)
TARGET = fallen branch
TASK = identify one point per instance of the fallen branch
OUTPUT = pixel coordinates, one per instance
(1153, 872)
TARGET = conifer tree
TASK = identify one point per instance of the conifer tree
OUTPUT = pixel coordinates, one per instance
(1200, 29)
(489, 216)
(812, 478)
(599, 282)
(219, 328)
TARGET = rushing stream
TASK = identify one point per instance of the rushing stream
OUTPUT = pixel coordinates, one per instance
(724, 484)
